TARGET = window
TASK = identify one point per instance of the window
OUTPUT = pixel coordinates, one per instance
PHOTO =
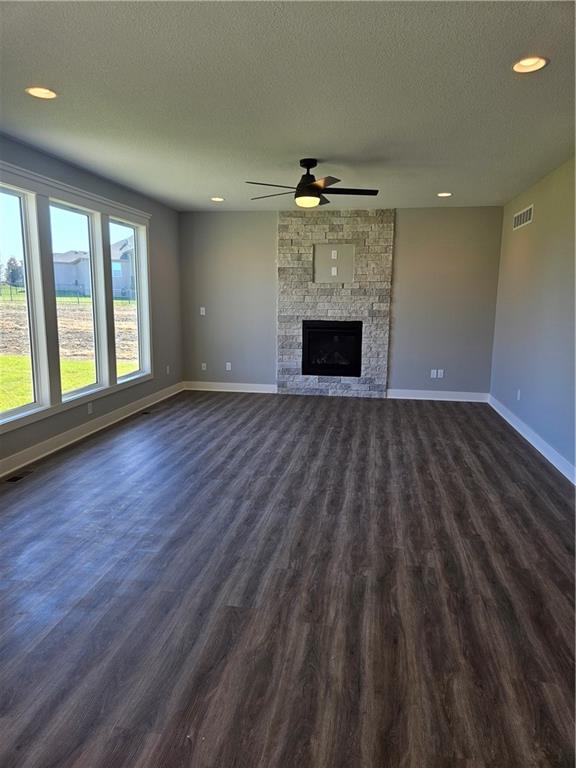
(74, 300)
(123, 247)
(72, 259)
(16, 367)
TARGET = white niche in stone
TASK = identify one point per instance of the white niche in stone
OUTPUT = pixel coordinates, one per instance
(334, 263)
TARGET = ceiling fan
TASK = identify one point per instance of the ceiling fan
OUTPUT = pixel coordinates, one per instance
(311, 191)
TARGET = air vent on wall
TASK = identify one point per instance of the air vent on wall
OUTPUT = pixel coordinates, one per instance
(523, 217)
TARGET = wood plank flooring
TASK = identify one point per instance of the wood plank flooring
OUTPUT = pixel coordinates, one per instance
(256, 581)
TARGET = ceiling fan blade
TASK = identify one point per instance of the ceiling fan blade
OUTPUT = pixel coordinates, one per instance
(276, 194)
(327, 181)
(346, 191)
(264, 184)
(324, 200)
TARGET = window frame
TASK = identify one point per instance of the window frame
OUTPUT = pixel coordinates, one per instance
(35, 304)
(99, 334)
(38, 192)
(142, 289)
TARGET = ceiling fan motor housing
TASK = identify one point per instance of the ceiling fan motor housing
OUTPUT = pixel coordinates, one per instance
(307, 178)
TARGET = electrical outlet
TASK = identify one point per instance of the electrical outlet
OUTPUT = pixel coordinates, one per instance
(334, 254)
(168, 370)
(433, 373)
(440, 373)
(228, 366)
(518, 394)
(202, 310)
(90, 408)
(203, 366)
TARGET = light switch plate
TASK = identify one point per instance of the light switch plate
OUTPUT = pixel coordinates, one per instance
(202, 310)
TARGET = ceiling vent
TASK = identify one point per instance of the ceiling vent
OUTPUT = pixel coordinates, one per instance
(523, 217)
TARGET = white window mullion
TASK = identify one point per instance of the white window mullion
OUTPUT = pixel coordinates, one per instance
(52, 356)
(144, 322)
(105, 300)
(36, 308)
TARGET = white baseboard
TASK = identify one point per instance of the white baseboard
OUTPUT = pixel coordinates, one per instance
(549, 453)
(437, 394)
(35, 452)
(225, 386)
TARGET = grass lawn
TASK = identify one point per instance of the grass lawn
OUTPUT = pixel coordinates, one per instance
(76, 338)
(16, 379)
(8, 294)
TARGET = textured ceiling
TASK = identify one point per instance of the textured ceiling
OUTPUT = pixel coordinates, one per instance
(183, 101)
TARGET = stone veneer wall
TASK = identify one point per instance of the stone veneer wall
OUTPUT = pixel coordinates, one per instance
(366, 299)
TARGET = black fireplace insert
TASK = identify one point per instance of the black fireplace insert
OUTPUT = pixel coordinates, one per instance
(332, 348)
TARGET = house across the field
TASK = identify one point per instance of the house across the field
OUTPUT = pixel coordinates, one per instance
(72, 271)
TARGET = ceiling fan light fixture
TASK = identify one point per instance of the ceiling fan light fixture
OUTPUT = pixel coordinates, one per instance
(306, 200)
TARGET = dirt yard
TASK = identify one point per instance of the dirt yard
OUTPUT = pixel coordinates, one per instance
(75, 328)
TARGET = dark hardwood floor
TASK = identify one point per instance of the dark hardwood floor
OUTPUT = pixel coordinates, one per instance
(289, 582)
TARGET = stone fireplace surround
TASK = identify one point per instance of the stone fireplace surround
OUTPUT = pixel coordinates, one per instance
(366, 299)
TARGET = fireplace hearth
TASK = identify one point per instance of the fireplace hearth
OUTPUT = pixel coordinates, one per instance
(331, 348)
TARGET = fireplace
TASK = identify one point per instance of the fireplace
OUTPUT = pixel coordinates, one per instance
(331, 348)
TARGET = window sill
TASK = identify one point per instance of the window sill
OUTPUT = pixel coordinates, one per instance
(38, 412)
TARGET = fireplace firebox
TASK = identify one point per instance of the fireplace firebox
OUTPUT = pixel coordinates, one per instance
(332, 348)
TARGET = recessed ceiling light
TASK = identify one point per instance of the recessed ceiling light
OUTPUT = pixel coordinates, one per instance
(40, 92)
(217, 199)
(444, 194)
(530, 64)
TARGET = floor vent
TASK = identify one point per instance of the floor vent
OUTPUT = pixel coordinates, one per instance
(523, 217)
(16, 478)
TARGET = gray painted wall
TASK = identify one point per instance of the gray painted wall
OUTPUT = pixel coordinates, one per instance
(534, 336)
(229, 267)
(164, 288)
(443, 297)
